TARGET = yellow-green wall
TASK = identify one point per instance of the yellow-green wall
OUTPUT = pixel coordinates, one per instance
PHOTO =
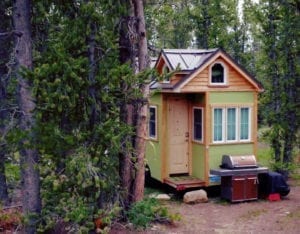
(198, 161)
(153, 147)
(231, 97)
(216, 152)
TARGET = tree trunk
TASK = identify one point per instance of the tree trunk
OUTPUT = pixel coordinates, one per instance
(133, 43)
(141, 127)
(291, 57)
(4, 58)
(276, 88)
(28, 155)
(4, 199)
(127, 30)
(92, 71)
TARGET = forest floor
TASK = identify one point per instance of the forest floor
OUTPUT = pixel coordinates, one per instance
(218, 216)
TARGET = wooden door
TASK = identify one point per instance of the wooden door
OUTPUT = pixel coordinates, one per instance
(178, 136)
(238, 188)
(251, 187)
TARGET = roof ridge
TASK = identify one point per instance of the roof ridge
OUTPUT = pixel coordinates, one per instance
(190, 50)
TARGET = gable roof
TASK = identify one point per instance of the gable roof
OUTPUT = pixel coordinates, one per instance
(193, 61)
(185, 59)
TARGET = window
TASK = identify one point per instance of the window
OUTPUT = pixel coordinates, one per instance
(198, 123)
(218, 74)
(152, 122)
(244, 124)
(165, 71)
(232, 122)
(218, 124)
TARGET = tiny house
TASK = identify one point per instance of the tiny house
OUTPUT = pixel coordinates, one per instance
(204, 108)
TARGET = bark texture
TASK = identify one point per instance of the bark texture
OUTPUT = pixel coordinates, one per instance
(28, 155)
(127, 31)
(4, 58)
(133, 44)
(141, 127)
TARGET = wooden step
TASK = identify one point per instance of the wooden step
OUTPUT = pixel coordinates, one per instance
(184, 182)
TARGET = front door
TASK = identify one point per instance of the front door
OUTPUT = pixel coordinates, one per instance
(178, 135)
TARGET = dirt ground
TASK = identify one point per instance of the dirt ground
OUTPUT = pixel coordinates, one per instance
(217, 216)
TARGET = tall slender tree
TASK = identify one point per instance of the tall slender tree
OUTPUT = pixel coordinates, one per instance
(141, 128)
(280, 24)
(5, 45)
(133, 46)
(290, 66)
(29, 156)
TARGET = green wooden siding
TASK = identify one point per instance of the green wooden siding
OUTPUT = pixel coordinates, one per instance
(198, 161)
(153, 147)
(231, 97)
(216, 152)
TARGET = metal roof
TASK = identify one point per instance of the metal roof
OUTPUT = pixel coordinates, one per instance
(186, 59)
(189, 61)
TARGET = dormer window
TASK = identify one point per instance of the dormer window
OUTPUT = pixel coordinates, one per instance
(218, 74)
(165, 71)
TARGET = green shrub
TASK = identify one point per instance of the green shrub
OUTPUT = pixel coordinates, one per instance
(149, 210)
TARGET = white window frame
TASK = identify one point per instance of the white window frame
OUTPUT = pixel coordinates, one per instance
(154, 137)
(237, 123)
(249, 123)
(194, 139)
(223, 125)
(225, 74)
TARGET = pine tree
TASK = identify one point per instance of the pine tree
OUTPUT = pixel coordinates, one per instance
(5, 50)
(29, 156)
(280, 23)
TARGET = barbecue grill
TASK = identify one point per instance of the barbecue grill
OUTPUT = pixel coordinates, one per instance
(239, 177)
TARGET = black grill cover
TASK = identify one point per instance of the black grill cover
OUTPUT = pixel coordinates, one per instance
(273, 182)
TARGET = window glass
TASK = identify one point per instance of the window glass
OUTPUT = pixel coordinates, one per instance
(244, 124)
(198, 124)
(231, 124)
(218, 119)
(152, 122)
(165, 71)
(217, 73)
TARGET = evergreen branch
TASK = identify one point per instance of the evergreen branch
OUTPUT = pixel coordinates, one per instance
(9, 34)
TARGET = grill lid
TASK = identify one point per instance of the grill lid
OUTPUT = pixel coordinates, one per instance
(238, 161)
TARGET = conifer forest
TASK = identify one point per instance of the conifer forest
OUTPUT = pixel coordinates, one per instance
(74, 90)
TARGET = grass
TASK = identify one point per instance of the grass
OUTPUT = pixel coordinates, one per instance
(264, 155)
